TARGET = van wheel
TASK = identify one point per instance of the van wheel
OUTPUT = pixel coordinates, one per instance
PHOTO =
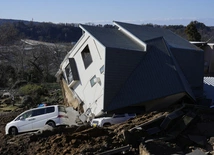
(51, 123)
(13, 131)
(106, 124)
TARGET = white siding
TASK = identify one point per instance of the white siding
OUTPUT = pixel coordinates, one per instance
(91, 96)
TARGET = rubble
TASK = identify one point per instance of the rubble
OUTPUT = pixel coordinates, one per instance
(183, 129)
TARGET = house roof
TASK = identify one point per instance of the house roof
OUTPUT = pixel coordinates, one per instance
(119, 65)
(146, 33)
(111, 37)
(162, 69)
(156, 76)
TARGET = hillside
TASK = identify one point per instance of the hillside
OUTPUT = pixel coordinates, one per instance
(39, 63)
(70, 32)
(30, 54)
(207, 33)
(42, 31)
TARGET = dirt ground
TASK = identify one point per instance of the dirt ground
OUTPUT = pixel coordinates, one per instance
(86, 140)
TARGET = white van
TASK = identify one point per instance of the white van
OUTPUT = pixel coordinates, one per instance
(37, 118)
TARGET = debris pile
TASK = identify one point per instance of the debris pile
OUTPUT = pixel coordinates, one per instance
(181, 130)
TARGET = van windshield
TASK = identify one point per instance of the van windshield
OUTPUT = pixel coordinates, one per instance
(61, 109)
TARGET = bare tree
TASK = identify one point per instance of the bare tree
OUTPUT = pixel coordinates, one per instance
(9, 34)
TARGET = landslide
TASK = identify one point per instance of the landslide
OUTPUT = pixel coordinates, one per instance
(72, 140)
(87, 140)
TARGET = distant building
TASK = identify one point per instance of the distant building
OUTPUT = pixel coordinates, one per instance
(209, 88)
(208, 57)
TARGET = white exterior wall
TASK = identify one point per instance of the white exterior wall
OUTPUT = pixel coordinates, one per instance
(91, 96)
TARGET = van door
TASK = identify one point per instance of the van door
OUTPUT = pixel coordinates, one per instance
(25, 122)
(39, 118)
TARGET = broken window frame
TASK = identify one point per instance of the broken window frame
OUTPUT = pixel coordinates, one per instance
(68, 73)
(71, 71)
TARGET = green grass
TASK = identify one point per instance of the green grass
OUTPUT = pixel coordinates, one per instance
(8, 108)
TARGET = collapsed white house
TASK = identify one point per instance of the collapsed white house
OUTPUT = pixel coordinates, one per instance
(130, 68)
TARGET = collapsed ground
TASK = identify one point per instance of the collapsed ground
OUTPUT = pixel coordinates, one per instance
(170, 131)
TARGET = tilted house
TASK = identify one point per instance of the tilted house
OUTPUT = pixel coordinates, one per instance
(130, 68)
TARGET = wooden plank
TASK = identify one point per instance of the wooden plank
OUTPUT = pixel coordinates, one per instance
(117, 150)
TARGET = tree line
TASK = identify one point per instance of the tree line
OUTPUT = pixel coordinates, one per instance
(48, 32)
(194, 31)
(65, 32)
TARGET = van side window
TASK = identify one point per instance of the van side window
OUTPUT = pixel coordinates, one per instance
(25, 115)
(38, 112)
(118, 115)
(50, 109)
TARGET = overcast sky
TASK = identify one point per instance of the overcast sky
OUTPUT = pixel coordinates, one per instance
(162, 12)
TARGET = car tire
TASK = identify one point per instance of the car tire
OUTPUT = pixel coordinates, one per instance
(51, 123)
(13, 131)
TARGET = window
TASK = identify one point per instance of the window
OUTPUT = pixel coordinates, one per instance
(50, 109)
(92, 81)
(25, 115)
(38, 112)
(118, 115)
(71, 71)
(132, 114)
(86, 56)
(102, 69)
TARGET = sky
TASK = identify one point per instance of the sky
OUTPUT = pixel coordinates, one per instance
(161, 12)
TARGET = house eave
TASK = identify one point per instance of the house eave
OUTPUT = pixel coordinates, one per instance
(82, 27)
(123, 30)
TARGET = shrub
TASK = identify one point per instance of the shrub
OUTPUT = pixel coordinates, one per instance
(32, 89)
(52, 86)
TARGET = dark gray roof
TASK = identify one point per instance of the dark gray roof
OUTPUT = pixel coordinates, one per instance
(156, 76)
(119, 65)
(170, 65)
(146, 33)
(191, 63)
(113, 38)
(188, 56)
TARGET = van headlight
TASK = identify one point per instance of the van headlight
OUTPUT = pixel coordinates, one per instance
(94, 123)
